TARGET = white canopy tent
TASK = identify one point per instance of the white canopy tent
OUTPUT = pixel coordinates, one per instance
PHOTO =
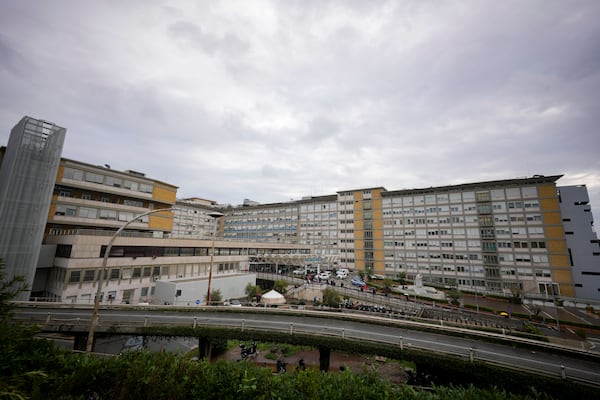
(272, 297)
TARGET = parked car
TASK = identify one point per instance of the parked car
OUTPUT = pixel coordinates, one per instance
(300, 271)
(356, 281)
(233, 303)
(341, 274)
(325, 275)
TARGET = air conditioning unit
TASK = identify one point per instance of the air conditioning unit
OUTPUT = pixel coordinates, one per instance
(156, 278)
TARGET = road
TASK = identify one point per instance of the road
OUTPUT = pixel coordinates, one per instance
(364, 328)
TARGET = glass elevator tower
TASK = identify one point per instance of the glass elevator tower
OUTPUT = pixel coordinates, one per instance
(27, 177)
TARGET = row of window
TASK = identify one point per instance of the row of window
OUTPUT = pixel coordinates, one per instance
(95, 213)
(79, 175)
(127, 273)
(66, 192)
(467, 232)
(471, 270)
(458, 197)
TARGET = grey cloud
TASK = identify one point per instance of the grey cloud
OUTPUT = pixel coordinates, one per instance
(193, 35)
(308, 97)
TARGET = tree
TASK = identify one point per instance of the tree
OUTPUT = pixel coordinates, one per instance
(280, 286)
(18, 348)
(331, 298)
(215, 296)
(454, 296)
(516, 297)
(252, 291)
(9, 289)
(387, 285)
(402, 278)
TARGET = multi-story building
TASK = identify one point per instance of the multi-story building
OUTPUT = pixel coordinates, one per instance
(95, 201)
(505, 236)
(269, 222)
(192, 218)
(136, 263)
(582, 241)
(91, 202)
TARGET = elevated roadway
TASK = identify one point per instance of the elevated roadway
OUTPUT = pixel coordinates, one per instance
(505, 350)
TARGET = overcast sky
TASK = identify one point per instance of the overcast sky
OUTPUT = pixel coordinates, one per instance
(276, 100)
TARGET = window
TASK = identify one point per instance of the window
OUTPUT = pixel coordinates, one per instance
(135, 203)
(63, 250)
(130, 185)
(145, 188)
(144, 291)
(89, 275)
(95, 178)
(85, 212)
(63, 210)
(71, 173)
(125, 216)
(75, 276)
(489, 246)
(482, 196)
(114, 273)
(108, 214)
(110, 181)
(136, 273)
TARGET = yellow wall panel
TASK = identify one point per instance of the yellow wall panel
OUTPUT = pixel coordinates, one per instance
(556, 246)
(358, 227)
(554, 232)
(562, 276)
(52, 209)
(549, 205)
(559, 260)
(548, 190)
(61, 171)
(161, 221)
(377, 222)
(164, 195)
(552, 218)
(359, 265)
(567, 290)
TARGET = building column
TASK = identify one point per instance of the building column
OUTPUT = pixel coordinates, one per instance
(324, 358)
(80, 341)
(204, 348)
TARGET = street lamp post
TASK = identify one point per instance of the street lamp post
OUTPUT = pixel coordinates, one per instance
(554, 284)
(215, 215)
(94, 323)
